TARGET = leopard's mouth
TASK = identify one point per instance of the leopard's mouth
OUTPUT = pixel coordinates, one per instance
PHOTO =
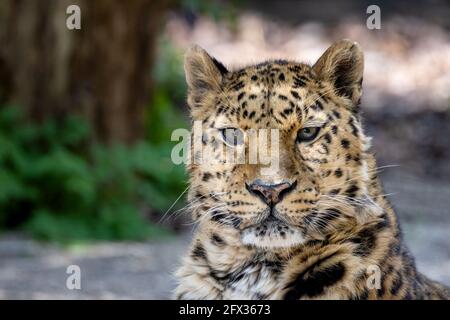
(272, 232)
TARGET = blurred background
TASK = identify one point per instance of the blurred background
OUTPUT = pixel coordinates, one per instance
(86, 117)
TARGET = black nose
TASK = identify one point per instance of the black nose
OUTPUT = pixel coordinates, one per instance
(271, 194)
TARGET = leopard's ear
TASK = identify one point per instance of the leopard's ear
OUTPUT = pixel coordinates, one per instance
(343, 64)
(204, 76)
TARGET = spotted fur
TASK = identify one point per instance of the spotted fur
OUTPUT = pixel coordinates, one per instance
(332, 229)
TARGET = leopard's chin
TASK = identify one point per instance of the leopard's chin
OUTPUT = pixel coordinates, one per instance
(272, 233)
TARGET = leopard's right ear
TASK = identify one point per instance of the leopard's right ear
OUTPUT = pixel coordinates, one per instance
(342, 64)
(204, 76)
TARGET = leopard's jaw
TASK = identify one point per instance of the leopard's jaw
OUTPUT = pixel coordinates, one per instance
(272, 234)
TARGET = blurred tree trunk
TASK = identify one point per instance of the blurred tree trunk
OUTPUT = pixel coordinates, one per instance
(102, 71)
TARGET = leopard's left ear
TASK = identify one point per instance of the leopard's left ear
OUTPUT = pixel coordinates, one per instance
(343, 64)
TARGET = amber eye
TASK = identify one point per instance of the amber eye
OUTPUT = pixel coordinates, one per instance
(307, 134)
(232, 136)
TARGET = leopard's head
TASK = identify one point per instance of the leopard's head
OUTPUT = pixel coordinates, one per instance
(304, 119)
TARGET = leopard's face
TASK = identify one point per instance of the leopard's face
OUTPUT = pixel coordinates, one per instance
(314, 140)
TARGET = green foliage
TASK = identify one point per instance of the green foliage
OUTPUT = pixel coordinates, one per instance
(57, 187)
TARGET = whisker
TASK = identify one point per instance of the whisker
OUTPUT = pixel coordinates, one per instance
(173, 204)
(361, 175)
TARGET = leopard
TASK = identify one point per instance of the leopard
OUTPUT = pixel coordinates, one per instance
(318, 225)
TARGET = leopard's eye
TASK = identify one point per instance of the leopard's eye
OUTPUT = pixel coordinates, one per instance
(232, 136)
(307, 134)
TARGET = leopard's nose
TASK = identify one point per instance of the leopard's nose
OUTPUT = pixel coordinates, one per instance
(271, 194)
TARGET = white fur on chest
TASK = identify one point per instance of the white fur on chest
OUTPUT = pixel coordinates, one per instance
(252, 283)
